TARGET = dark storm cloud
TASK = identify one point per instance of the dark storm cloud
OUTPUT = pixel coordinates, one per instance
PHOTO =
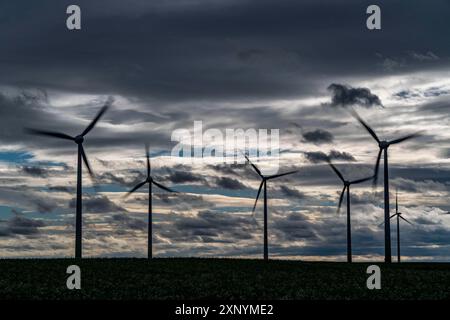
(319, 156)
(291, 193)
(19, 225)
(295, 227)
(35, 171)
(182, 201)
(213, 224)
(338, 155)
(435, 92)
(409, 185)
(121, 115)
(427, 93)
(316, 156)
(229, 50)
(365, 198)
(45, 205)
(343, 95)
(440, 175)
(24, 109)
(183, 175)
(229, 183)
(25, 197)
(318, 136)
(425, 221)
(127, 179)
(128, 222)
(406, 94)
(97, 204)
(61, 189)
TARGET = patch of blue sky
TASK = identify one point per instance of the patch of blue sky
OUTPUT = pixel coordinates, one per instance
(23, 157)
(6, 212)
(15, 156)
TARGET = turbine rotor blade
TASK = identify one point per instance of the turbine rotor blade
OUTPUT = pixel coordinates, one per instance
(135, 188)
(254, 166)
(257, 196)
(411, 136)
(86, 161)
(94, 122)
(147, 155)
(405, 220)
(396, 201)
(361, 180)
(365, 125)
(281, 174)
(341, 198)
(339, 174)
(52, 134)
(162, 187)
(377, 169)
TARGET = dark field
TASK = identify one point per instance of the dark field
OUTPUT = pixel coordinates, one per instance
(219, 279)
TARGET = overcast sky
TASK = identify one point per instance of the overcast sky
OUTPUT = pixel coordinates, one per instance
(296, 66)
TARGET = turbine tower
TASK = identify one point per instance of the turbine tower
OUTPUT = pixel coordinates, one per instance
(79, 139)
(264, 180)
(150, 182)
(347, 184)
(383, 146)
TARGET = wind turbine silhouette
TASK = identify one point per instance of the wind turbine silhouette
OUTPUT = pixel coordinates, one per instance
(79, 139)
(150, 182)
(383, 145)
(264, 180)
(347, 184)
(399, 216)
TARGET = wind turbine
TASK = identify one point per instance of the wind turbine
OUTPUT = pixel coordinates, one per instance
(264, 180)
(399, 216)
(347, 184)
(383, 146)
(150, 181)
(79, 139)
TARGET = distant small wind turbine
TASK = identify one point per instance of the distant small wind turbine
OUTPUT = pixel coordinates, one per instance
(150, 181)
(383, 145)
(264, 183)
(79, 139)
(399, 216)
(347, 185)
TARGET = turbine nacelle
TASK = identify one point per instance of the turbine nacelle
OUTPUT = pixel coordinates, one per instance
(79, 139)
(383, 144)
(149, 178)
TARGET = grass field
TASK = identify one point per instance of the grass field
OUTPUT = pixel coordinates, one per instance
(219, 279)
